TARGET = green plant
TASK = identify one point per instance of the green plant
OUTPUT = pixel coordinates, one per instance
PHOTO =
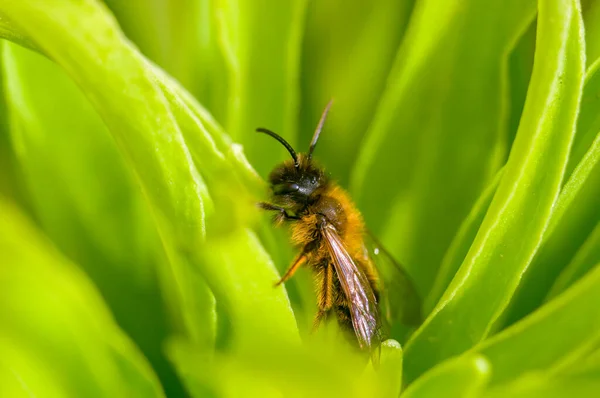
(133, 261)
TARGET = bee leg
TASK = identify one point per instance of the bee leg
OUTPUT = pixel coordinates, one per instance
(283, 214)
(318, 318)
(325, 294)
(301, 259)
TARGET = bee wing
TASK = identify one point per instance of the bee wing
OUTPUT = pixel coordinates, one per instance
(399, 298)
(356, 287)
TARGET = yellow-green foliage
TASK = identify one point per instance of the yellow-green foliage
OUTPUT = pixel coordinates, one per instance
(134, 263)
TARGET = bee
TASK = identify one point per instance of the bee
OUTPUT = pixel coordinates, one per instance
(330, 234)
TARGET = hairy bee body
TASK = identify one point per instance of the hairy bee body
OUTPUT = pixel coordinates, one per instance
(334, 206)
(321, 214)
(329, 232)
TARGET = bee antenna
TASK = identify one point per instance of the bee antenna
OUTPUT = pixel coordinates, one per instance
(282, 141)
(315, 138)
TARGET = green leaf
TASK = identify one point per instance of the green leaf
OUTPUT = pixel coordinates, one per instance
(489, 275)
(240, 281)
(521, 65)
(538, 341)
(9, 178)
(461, 377)
(213, 150)
(84, 197)
(348, 51)
(461, 243)
(389, 373)
(577, 210)
(262, 56)
(414, 152)
(318, 369)
(588, 123)
(9, 31)
(223, 258)
(542, 386)
(72, 343)
(591, 17)
(105, 67)
(223, 166)
(586, 257)
(129, 171)
(574, 217)
(385, 379)
(22, 372)
(143, 112)
(182, 38)
(586, 366)
(520, 68)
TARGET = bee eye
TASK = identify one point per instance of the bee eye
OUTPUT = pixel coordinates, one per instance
(282, 189)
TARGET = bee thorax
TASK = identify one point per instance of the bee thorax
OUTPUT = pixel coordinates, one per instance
(333, 211)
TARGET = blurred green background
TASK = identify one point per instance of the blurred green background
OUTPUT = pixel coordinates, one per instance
(134, 263)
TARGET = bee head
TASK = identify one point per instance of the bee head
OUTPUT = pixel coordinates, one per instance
(296, 184)
(295, 181)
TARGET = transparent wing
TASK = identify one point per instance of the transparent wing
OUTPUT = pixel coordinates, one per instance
(363, 305)
(399, 299)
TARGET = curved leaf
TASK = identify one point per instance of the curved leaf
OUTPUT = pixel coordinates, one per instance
(126, 91)
(588, 122)
(588, 366)
(520, 68)
(575, 215)
(72, 340)
(549, 336)
(252, 41)
(348, 51)
(542, 386)
(461, 243)
(317, 369)
(461, 377)
(103, 67)
(586, 257)
(414, 151)
(9, 31)
(489, 275)
(182, 38)
(591, 17)
(84, 197)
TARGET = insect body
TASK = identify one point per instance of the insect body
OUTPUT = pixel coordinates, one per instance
(329, 231)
